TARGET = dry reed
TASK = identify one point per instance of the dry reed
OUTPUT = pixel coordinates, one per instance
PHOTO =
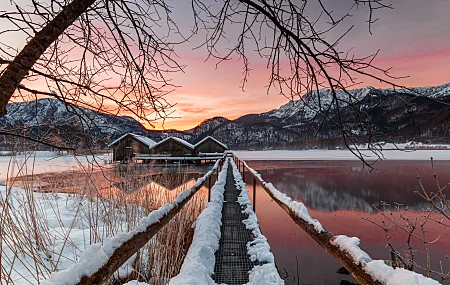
(38, 230)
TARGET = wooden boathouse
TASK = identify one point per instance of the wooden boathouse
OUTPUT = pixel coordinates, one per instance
(173, 146)
(209, 145)
(127, 145)
(131, 147)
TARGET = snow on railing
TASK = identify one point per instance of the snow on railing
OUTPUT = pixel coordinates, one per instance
(258, 249)
(378, 269)
(344, 249)
(198, 266)
(99, 261)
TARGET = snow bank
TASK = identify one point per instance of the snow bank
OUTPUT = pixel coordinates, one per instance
(379, 270)
(258, 248)
(67, 230)
(96, 255)
(198, 266)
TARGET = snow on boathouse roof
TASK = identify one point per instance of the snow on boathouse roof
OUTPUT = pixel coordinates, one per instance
(145, 140)
(183, 142)
(210, 137)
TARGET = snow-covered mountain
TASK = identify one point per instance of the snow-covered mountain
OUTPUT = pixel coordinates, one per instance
(314, 102)
(52, 111)
(207, 126)
(50, 118)
(419, 114)
(311, 103)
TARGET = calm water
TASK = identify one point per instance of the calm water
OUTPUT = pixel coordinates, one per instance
(340, 195)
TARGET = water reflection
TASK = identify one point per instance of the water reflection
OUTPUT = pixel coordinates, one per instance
(340, 195)
(153, 185)
(343, 186)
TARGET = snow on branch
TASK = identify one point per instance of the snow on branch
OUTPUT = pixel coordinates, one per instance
(258, 248)
(345, 249)
(198, 266)
(99, 261)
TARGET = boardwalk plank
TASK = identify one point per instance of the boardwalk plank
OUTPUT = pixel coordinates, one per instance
(232, 261)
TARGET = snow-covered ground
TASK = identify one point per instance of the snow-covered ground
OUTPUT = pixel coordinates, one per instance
(46, 161)
(61, 222)
(343, 154)
(408, 145)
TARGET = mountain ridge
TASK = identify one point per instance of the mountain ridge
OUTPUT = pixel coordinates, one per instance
(420, 113)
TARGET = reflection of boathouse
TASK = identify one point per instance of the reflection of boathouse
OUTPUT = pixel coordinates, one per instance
(172, 149)
(150, 189)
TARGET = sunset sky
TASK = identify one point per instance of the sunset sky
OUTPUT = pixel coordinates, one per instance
(413, 39)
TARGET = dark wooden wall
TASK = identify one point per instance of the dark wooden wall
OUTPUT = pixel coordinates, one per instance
(209, 146)
(173, 148)
(127, 147)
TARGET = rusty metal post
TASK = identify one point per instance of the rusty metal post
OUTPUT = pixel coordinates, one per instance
(254, 194)
(209, 189)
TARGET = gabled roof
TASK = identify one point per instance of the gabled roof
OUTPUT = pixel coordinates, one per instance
(145, 140)
(210, 137)
(183, 142)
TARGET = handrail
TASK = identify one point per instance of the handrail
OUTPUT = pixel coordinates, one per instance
(327, 240)
(99, 262)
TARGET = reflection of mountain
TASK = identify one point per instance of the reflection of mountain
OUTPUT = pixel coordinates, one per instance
(346, 187)
(319, 198)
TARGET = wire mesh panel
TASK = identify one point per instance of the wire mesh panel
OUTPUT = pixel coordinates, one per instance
(232, 261)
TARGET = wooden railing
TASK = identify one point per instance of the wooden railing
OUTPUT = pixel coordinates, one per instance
(324, 238)
(126, 247)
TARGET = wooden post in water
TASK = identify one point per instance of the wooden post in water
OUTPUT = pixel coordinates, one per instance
(209, 189)
(254, 194)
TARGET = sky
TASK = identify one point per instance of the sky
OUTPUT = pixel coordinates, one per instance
(413, 38)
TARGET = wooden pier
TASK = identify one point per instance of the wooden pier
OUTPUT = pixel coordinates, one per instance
(230, 250)
(232, 260)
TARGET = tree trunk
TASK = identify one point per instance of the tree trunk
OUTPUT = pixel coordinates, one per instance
(33, 50)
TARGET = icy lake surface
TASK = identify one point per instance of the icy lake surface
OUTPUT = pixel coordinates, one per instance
(342, 196)
(46, 161)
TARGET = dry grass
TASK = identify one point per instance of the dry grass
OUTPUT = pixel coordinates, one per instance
(37, 229)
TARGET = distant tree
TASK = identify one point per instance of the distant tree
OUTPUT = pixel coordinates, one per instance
(103, 53)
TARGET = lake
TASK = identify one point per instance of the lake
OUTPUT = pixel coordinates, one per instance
(343, 195)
